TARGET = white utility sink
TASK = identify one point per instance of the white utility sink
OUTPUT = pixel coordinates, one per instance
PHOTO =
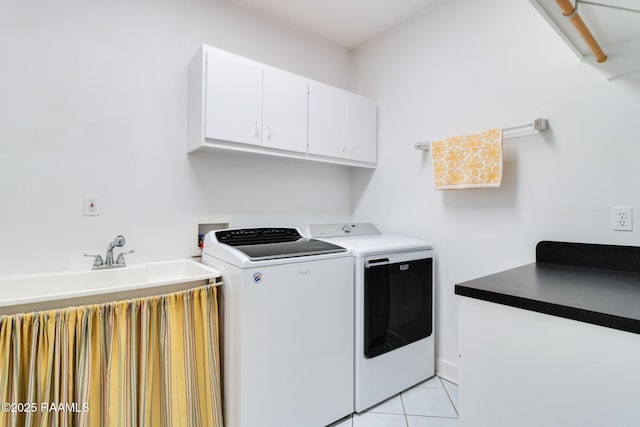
(42, 287)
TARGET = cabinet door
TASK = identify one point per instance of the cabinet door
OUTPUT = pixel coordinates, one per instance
(327, 120)
(362, 124)
(284, 111)
(233, 101)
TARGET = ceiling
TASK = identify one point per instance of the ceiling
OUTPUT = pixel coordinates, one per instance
(349, 23)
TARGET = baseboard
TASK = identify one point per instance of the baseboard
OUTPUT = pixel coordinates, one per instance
(447, 370)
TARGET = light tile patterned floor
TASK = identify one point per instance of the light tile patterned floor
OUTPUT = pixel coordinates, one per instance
(432, 403)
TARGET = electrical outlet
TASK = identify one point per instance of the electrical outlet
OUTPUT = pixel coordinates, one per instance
(622, 218)
(91, 205)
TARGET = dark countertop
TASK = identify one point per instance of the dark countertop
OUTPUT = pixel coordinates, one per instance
(599, 296)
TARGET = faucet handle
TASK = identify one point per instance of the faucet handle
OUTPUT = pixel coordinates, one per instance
(120, 260)
(97, 261)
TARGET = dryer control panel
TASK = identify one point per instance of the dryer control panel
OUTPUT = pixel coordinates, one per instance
(344, 229)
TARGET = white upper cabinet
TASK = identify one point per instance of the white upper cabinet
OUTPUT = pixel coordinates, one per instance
(233, 99)
(327, 120)
(342, 124)
(242, 105)
(362, 124)
(284, 111)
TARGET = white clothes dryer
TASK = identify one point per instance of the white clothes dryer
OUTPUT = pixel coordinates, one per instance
(394, 320)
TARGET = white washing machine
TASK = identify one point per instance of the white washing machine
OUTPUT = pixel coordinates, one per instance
(394, 320)
(287, 314)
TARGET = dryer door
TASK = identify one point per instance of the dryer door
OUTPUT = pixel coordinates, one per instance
(398, 303)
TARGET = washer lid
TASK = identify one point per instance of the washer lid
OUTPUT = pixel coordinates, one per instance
(259, 244)
(301, 247)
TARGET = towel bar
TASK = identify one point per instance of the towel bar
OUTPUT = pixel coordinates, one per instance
(540, 124)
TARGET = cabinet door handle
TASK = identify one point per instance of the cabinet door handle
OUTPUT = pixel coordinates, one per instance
(343, 145)
(257, 129)
(269, 131)
(351, 145)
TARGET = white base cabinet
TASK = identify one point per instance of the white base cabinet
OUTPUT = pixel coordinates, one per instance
(527, 369)
(239, 104)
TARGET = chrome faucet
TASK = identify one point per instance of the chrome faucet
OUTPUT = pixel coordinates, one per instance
(99, 264)
(117, 242)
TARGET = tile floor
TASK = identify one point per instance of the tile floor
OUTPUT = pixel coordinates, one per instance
(432, 403)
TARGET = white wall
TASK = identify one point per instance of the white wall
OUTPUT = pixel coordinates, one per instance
(466, 66)
(93, 100)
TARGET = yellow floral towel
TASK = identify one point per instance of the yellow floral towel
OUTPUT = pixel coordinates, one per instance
(468, 161)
